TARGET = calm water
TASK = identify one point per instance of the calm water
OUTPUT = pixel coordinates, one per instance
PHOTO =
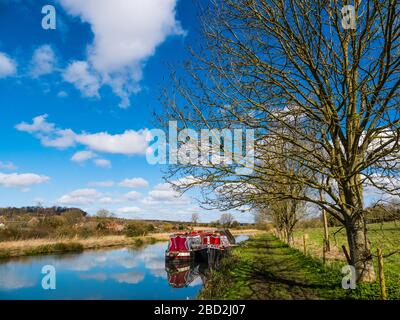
(126, 273)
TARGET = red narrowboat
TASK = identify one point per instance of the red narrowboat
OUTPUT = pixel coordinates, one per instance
(198, 244)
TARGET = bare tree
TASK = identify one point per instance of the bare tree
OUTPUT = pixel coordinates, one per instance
(284, 215)
(103, 213)
(262, 59)
(195, 217)
(226, 219)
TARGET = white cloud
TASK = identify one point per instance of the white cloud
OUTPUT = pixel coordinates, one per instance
(43, 61)
(134, 183)
(80, 197)
(79, 74)
(129, 277)
(162, 202)
(378, 187)
(39, 124)
(94, 276)
(126, 210)
(186, 180)
(62, 94)
(61, 139)
(23, 180)
(163, 192)
(103, 184)
(49, 135)
(12, 279)
(7, 166)
(82, 156)
(8, 67)
(133, 196)
(107, 200)
(126, 34)
(103, 163)
(130, 142)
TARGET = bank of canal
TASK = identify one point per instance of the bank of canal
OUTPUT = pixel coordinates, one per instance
(265, 268)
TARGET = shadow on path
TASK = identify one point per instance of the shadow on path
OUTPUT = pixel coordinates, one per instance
(265, 268)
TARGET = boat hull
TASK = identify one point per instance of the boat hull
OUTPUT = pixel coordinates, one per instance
(179, 255)
(201, 245)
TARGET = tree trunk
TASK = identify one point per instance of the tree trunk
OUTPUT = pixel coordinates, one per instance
(289, 236)
(360, 253)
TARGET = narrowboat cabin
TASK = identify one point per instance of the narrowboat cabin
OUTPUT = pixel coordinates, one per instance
(198, 245)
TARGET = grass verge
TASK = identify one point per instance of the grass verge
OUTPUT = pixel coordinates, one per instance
(35, 247)
(267, 269)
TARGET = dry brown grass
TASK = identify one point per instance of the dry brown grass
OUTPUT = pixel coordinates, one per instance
(249, 232)
(23, 247)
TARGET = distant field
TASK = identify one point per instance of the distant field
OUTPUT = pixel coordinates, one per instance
(385, 236)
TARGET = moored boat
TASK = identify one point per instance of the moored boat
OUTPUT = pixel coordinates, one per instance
(198, 244)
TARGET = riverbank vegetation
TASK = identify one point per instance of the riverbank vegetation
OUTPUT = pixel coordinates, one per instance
(36, 230)
(31, 247)
(60, 223)
(265, 267)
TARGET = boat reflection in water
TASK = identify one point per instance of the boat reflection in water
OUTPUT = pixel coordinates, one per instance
(184, 272)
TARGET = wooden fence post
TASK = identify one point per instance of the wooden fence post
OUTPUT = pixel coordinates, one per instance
(305, 236)
(382, 275)
(326, 231)
(324, 247)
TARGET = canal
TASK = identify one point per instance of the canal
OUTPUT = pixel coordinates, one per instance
(122, 273)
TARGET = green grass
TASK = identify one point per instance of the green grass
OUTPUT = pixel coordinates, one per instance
(266, 268)
(4, 254)
(385, 236)
(55, 248)
(59, 247)
(138, 242)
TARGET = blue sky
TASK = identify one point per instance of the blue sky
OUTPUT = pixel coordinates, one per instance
(76, 102)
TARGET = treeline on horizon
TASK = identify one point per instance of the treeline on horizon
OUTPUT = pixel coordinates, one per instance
(39, 211)
(378, 212)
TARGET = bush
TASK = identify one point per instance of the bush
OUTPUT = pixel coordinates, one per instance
(64, 231)
(55, 248)
(68, 247)
(265, 226)
(167, 227)
(136, 229)
(235, 224)
(73, 216)
(138, 242)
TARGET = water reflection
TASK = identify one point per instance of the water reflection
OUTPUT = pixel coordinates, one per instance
(191, 272)
(182, 274)
(123, 273)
